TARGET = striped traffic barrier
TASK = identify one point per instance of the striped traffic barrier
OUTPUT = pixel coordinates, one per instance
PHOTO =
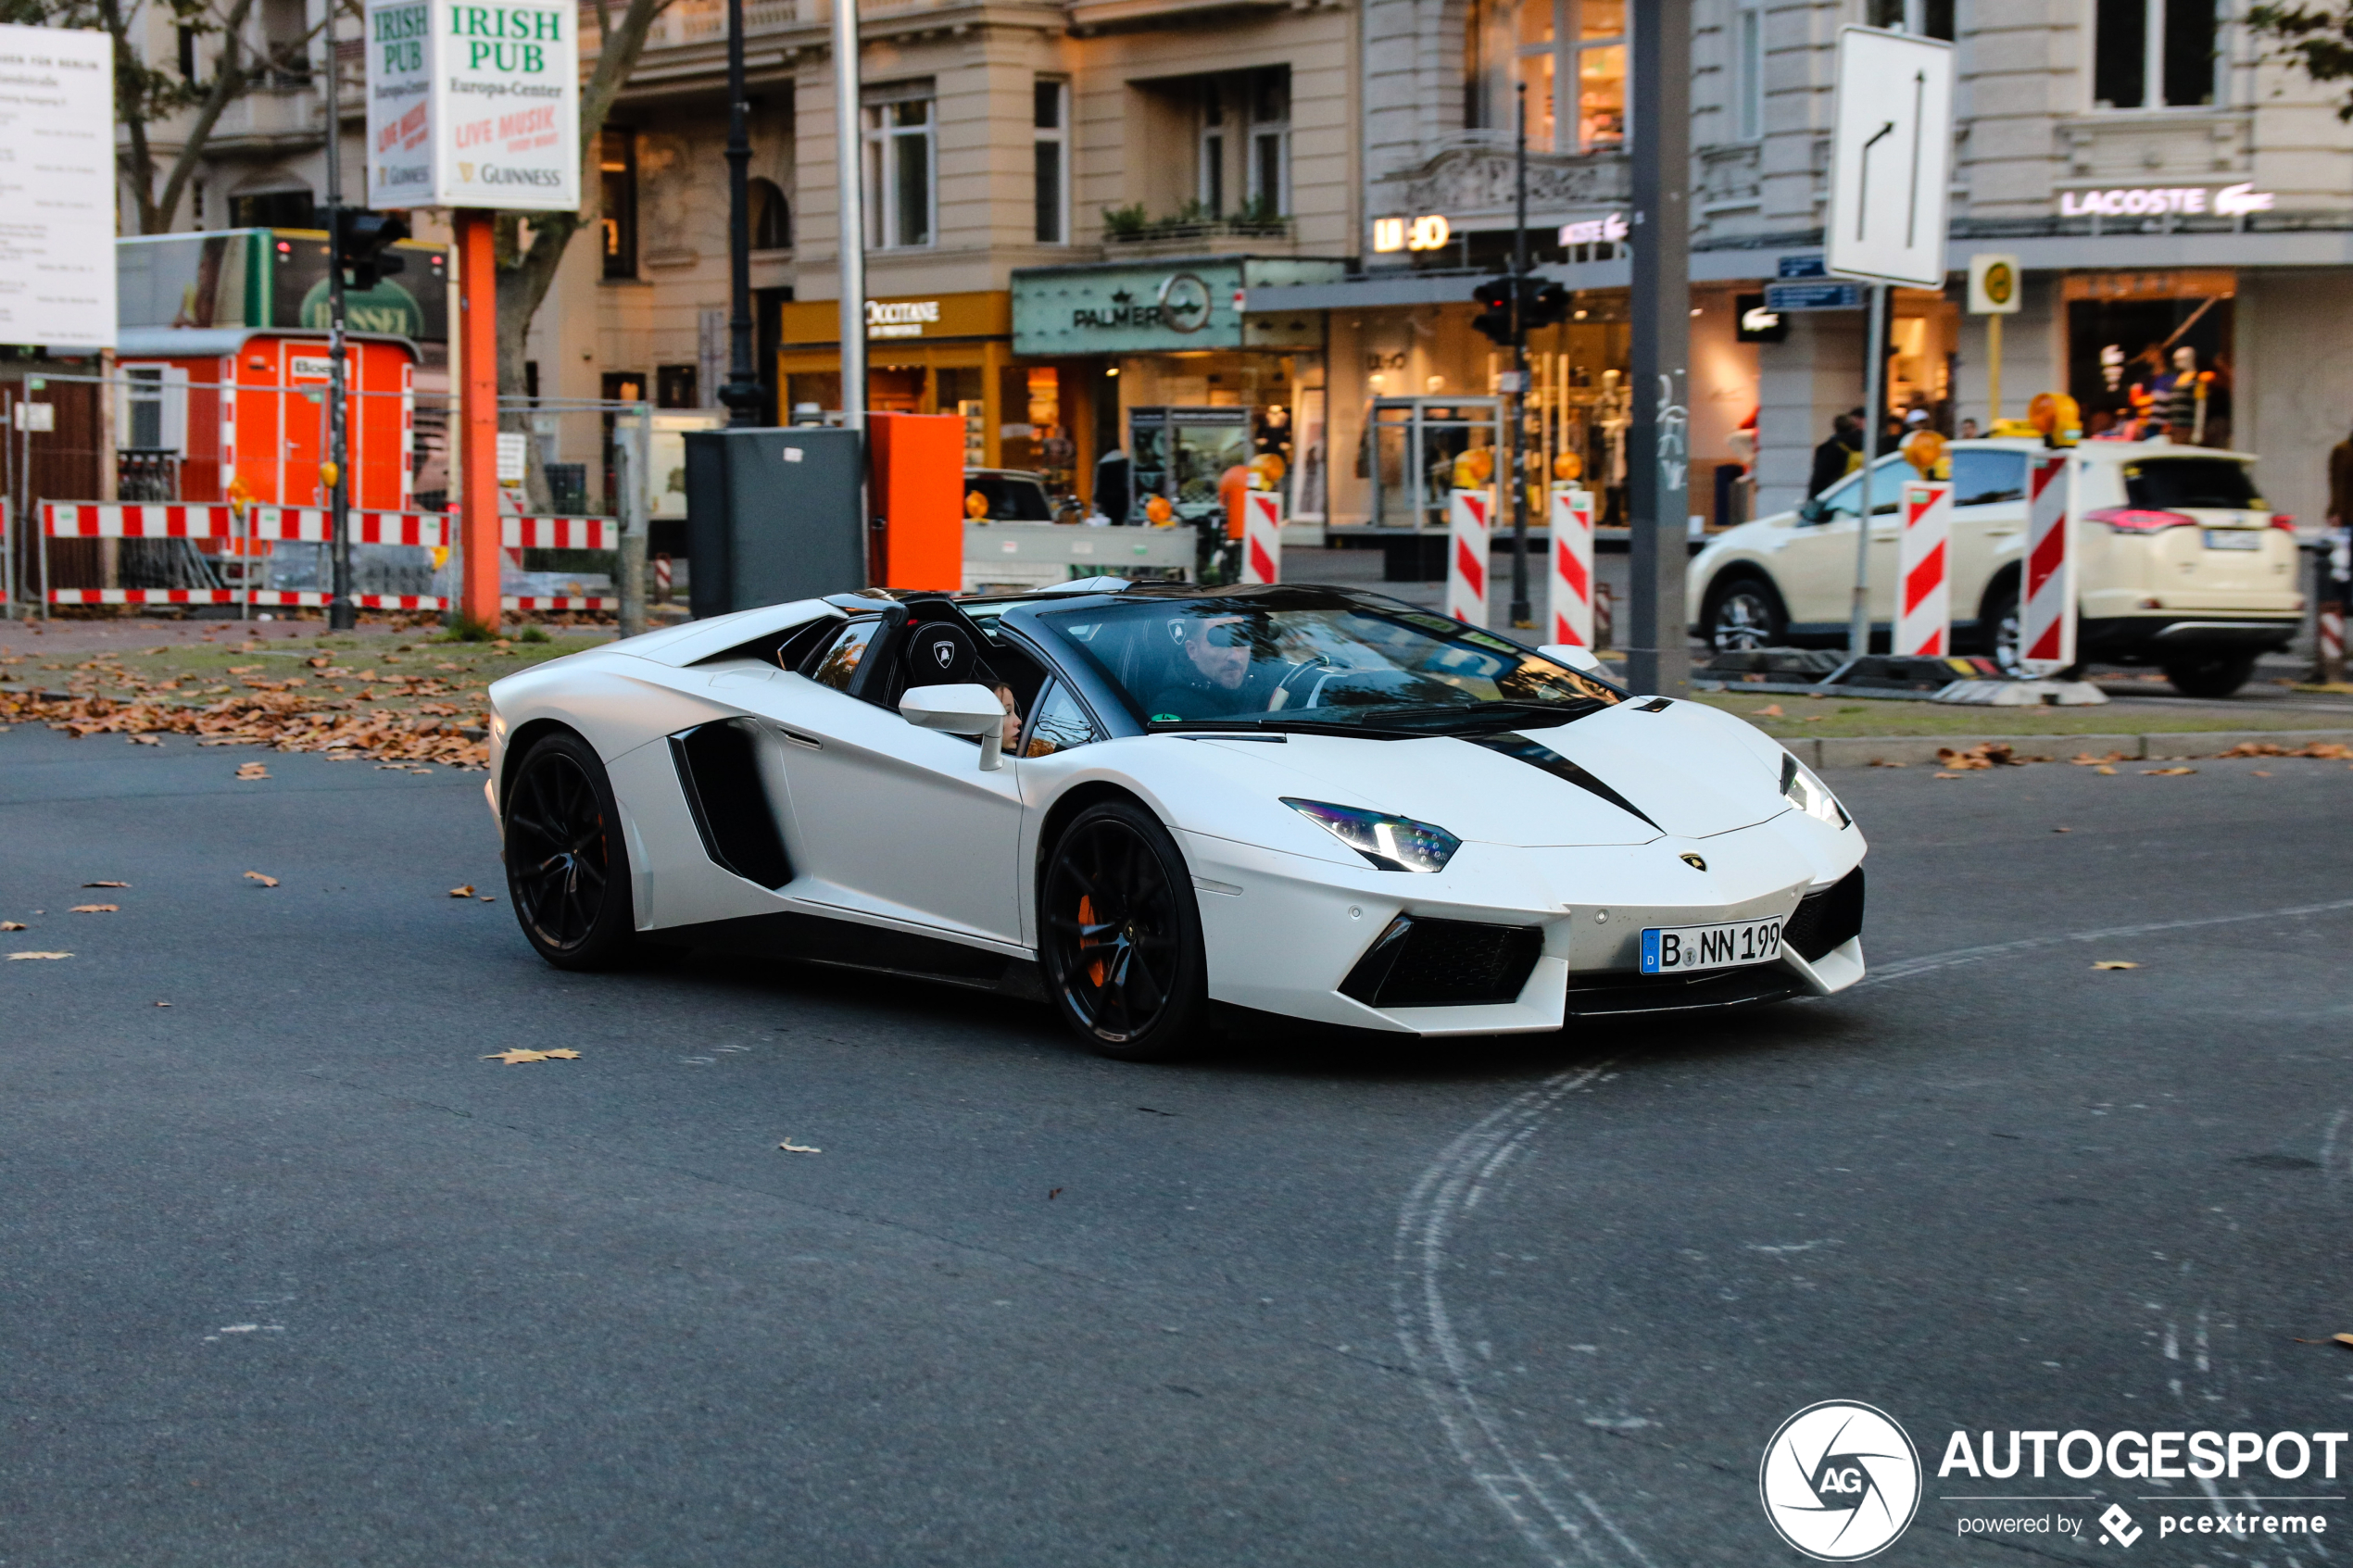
(1262, 536)
(1924, 607)
(1572, 608)
(143, 595)
(2046, 596)
(118, 519)
(1469, 515)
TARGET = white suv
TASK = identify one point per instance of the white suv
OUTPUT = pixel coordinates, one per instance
(2181, 564)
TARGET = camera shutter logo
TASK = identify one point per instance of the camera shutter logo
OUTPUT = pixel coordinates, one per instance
(1841, 1481)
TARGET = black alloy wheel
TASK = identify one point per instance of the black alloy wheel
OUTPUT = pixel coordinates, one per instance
(1123, 945)
(567, 869)
(1743, 613)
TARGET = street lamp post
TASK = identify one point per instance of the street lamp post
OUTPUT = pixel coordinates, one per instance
(341, 614)
(849, 243)
(1657, 446)
(742, 394)
(1515, 394)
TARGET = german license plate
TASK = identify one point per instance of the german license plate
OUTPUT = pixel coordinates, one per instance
(2234, 539)
(1681, 950)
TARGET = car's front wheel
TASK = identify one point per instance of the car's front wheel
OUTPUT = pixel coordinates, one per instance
(1121, 935)
(2218, 675)
(1742, 611)
(567, 868)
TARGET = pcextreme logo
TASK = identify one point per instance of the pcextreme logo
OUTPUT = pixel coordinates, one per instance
(1841, 1481)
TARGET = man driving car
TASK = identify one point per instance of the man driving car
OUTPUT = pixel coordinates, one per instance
(1213, 675)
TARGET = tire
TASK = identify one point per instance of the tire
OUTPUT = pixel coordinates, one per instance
(1999, 622)
(1742, 611)
(1121, 935)
(2216, 675)
(567, 865)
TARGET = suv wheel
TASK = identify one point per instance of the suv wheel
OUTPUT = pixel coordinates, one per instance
(2217, 675)
(1742, 612)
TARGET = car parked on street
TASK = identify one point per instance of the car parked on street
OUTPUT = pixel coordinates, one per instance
(2181, 564)
(1013, 495)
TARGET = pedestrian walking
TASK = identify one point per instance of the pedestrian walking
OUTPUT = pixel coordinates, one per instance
(1837, 456)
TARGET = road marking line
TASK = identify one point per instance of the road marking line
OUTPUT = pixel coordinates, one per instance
(1905, 968)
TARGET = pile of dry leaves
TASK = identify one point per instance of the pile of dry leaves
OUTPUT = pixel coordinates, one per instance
(287, 720)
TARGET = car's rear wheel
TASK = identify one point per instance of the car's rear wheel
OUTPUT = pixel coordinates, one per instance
(567, 868)
(1742, 611)
(2217, 675)
(1121, 935)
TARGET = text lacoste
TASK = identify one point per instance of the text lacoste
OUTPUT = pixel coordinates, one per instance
(2231, 201)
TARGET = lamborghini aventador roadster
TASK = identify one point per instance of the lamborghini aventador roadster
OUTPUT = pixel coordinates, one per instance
(1151, 805)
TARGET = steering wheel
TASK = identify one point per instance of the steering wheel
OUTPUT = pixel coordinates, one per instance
(1303, 679)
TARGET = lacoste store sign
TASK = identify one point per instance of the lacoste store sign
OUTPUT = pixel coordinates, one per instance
(473, 106)
(2155, 201)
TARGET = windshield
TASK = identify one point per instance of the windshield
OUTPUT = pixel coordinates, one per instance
(1303, 658)
(2171, 484)
(1887, 483)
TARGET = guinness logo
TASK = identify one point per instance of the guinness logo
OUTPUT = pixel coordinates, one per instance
(1694, 861)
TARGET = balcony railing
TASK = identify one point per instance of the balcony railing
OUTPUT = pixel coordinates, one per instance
(705, 21)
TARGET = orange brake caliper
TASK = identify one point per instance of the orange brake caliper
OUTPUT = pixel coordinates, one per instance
(1086, 917)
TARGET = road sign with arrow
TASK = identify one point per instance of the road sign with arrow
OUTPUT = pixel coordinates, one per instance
(1891, 157)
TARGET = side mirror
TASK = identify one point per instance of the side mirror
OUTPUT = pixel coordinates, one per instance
(1577, 657)
(967, 709)
(1813, 509)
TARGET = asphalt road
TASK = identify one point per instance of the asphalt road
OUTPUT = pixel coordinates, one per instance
(290, 1275)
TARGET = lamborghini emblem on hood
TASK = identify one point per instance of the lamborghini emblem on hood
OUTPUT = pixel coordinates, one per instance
(1694, 861)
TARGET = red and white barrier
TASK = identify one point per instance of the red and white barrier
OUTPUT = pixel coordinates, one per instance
(661, 578)
(1572, 608)
(558, 533)
(1469, 516)
(2046, 596)
(111, 519)
(1262, 536)
(1923, 586)
(315, 525)
(2331, 648)
(143, 595)
(567, 601)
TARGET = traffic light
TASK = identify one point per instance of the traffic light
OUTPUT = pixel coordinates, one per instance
(368, 238)
(1494, 318)
(1541, 303)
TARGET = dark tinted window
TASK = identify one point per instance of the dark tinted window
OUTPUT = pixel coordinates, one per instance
(839, 661)
(1981, 477)
(2169, 483)
(1011, 498)
(1887, 483)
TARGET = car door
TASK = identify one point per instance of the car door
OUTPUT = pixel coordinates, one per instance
(887, 819)
(1816, 570)
(1989, 515)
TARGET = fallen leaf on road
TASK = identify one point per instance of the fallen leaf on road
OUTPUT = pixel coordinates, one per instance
(2085, 760)
(465, 892)
(2103, 768)
(14, 925)
(488, 899)
(1876, 763)
(319, 663)
(561, 1053)
(1946, 775)
(96, 910)
(1054, 1194)
(2062, 830)
(791, 1148)
(2261, 774)
(1987, 754)
(517, 1056)
(2114, 963)
(2343, 1338)
(2163, 772)
(15, 955)
(105, 884)
(1771, 710)
(163, 1004)
(145, 740)
(252, 770)
(265, 881)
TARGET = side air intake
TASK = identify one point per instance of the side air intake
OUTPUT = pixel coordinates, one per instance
(719, 773)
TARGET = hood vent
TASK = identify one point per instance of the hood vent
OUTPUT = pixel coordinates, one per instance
(1520, 748)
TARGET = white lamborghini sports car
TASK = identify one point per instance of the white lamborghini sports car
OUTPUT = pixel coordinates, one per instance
(1142, 803)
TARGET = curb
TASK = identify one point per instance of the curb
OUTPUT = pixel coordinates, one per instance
(1861, 751)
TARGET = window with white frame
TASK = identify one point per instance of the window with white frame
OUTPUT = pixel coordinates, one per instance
(1211, 192)
(1748, 71)
(1049, 119)
(1245, 144)
(1570, 54)
(902, 152)
(2155, 54)
(151, 414)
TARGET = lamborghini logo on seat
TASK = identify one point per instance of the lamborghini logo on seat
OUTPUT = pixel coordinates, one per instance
(1694, 861)
(945, 652)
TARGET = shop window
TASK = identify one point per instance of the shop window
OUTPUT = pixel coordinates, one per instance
(617, 189)
(771, 217)
(1928, 18)
(674, 386)
(1748, 71)
(1569, 55)
(2154, 54)
(1049, 119)
(902, 150)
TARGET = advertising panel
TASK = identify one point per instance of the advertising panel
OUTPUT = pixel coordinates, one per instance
(57, 176)
(473, 106)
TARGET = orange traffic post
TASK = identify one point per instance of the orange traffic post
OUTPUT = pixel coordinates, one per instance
(478, 415)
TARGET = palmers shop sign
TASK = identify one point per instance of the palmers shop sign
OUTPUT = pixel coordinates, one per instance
(473, 104)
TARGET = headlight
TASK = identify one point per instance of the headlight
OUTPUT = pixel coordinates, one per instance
(1809, 795)
(1394, 844)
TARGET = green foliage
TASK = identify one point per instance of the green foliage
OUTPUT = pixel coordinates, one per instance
(466, 629)
(532, 634)
(1126, 222)
(2318, 38)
